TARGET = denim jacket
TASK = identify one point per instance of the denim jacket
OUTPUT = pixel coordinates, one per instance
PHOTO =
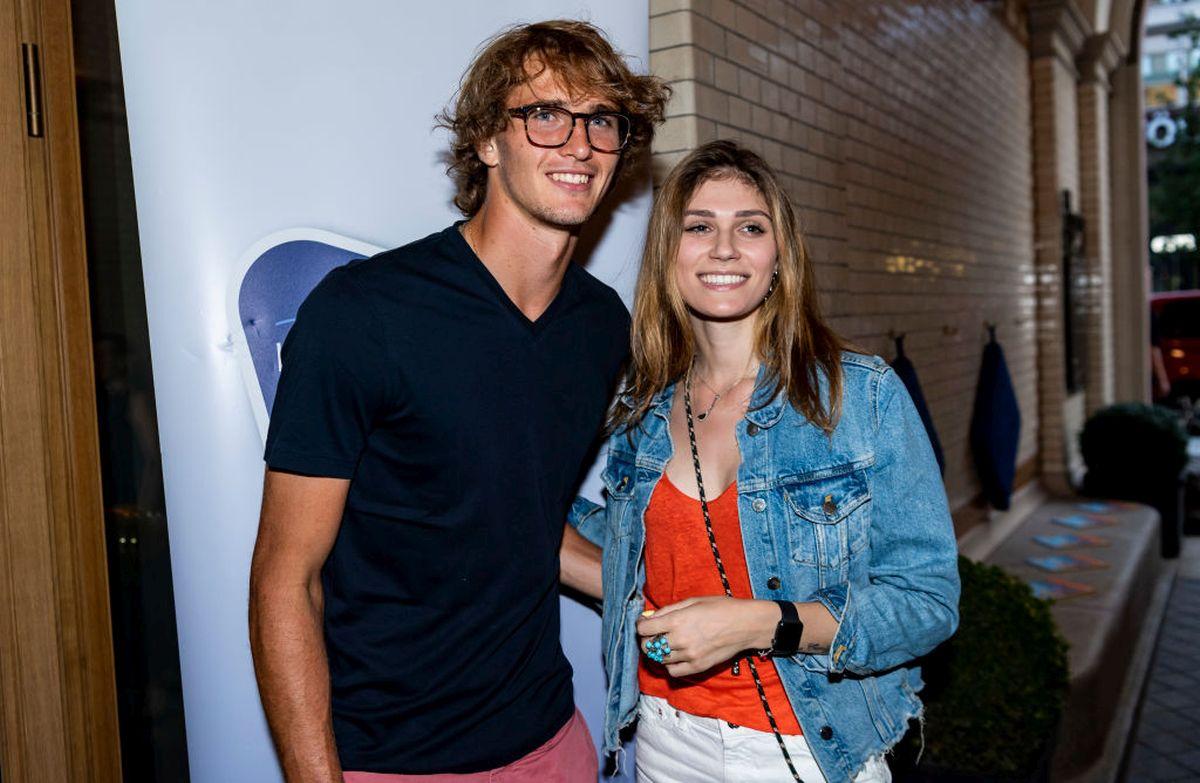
(857, 521)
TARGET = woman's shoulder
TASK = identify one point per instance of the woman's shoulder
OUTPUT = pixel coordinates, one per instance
(869, 383)
(860, 361)
(864, 373)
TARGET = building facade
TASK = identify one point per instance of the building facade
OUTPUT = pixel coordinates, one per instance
(936, 152)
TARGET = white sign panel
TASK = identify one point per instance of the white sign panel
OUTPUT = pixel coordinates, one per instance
(314, 119)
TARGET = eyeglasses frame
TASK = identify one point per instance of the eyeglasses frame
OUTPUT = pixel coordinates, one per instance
(524, 111)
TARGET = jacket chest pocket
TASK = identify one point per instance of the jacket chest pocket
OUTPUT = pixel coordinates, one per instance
(828, 517)
(618, 477)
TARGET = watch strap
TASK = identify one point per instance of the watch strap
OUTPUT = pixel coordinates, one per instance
(788, 631)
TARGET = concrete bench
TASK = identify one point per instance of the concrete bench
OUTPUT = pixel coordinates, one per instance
(1110, 631)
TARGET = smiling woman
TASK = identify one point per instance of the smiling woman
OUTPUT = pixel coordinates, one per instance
(789, 331)
(726, 259)
(826, 546)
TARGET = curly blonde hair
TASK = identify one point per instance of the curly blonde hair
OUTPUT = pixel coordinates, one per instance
(578, 54)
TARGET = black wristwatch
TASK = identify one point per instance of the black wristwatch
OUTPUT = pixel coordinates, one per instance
(787, 633)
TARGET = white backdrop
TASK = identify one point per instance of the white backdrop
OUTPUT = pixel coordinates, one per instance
(246, 119)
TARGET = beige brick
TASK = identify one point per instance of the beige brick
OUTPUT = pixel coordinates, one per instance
(673, 29)
(726, 74)
(746, 23)
(760, 120)
(725, 13)
(659, 7)
(674, 64)
(778, 68)
(739, 112)
(662, 164)
(683, 99)
(708, 35)
(683, 133)
(748, 87)
(677, 133)
(712, 103)
(770, 96)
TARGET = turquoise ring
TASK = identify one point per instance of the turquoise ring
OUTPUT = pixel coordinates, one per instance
(658, 648)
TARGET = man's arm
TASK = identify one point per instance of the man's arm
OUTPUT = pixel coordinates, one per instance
(299, 522)
(579, 564)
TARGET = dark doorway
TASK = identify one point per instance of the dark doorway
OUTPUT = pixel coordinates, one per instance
(153, 746)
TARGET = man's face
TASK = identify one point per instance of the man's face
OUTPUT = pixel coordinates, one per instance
(559, 187)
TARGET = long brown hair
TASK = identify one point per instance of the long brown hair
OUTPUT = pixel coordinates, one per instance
(578, 54)
(792, 339)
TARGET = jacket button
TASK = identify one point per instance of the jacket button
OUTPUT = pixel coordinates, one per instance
(758, 504)
(826, 733)
(829, 506)
(751, 429)
(773, 583)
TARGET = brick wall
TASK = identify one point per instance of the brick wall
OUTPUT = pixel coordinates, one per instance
(902, 133)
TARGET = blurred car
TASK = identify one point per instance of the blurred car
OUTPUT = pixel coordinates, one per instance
(1175, 318)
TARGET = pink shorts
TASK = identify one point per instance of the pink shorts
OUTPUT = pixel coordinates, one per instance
(567, 757)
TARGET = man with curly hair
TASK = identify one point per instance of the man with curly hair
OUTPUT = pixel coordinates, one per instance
(437, 408)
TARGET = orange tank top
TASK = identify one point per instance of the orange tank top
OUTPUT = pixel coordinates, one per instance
(679, 565)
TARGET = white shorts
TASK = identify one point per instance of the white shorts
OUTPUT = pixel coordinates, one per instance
(677, 747)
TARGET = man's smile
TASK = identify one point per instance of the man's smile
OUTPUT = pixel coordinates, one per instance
(572, 180)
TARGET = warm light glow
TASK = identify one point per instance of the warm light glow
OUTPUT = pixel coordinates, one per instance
(1171, 243)
(911, 265)
(1177, 353)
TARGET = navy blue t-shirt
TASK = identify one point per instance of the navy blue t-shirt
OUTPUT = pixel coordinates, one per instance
(464, 429)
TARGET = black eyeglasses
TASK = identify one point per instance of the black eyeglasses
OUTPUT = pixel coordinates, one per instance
(552, 126)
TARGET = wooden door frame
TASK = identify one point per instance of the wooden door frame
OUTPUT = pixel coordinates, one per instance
(58, 705)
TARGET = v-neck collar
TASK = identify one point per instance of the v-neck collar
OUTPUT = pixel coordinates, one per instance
(535, 326)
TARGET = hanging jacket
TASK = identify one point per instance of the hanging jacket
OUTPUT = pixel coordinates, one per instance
(995, 426)
(904, 368)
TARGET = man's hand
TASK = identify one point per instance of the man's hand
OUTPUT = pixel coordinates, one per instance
(300, 519)
(704, 632)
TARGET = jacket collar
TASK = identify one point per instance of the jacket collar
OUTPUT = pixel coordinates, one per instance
(766, 409)
(661, 403)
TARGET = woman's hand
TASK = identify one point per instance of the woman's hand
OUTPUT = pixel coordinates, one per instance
(710, 630)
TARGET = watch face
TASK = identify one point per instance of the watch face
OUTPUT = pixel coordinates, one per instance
(279, 272)
(789, 630)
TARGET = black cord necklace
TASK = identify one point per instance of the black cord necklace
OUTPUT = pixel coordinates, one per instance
(712, 542)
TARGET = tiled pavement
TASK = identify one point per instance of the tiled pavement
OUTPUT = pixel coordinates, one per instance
(1166, 745)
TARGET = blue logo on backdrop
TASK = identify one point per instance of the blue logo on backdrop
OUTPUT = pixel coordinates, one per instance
(278, 273)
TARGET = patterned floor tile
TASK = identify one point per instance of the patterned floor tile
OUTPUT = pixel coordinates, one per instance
(1167, 738)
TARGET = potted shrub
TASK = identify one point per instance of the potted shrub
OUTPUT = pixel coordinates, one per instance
(1135, 451)
(994, 692)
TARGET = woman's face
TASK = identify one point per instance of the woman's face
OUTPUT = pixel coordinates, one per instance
(727, 252)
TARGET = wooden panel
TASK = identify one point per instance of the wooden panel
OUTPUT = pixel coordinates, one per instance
(56, 659)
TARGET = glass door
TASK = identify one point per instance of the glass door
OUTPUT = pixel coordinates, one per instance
(150, 701)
